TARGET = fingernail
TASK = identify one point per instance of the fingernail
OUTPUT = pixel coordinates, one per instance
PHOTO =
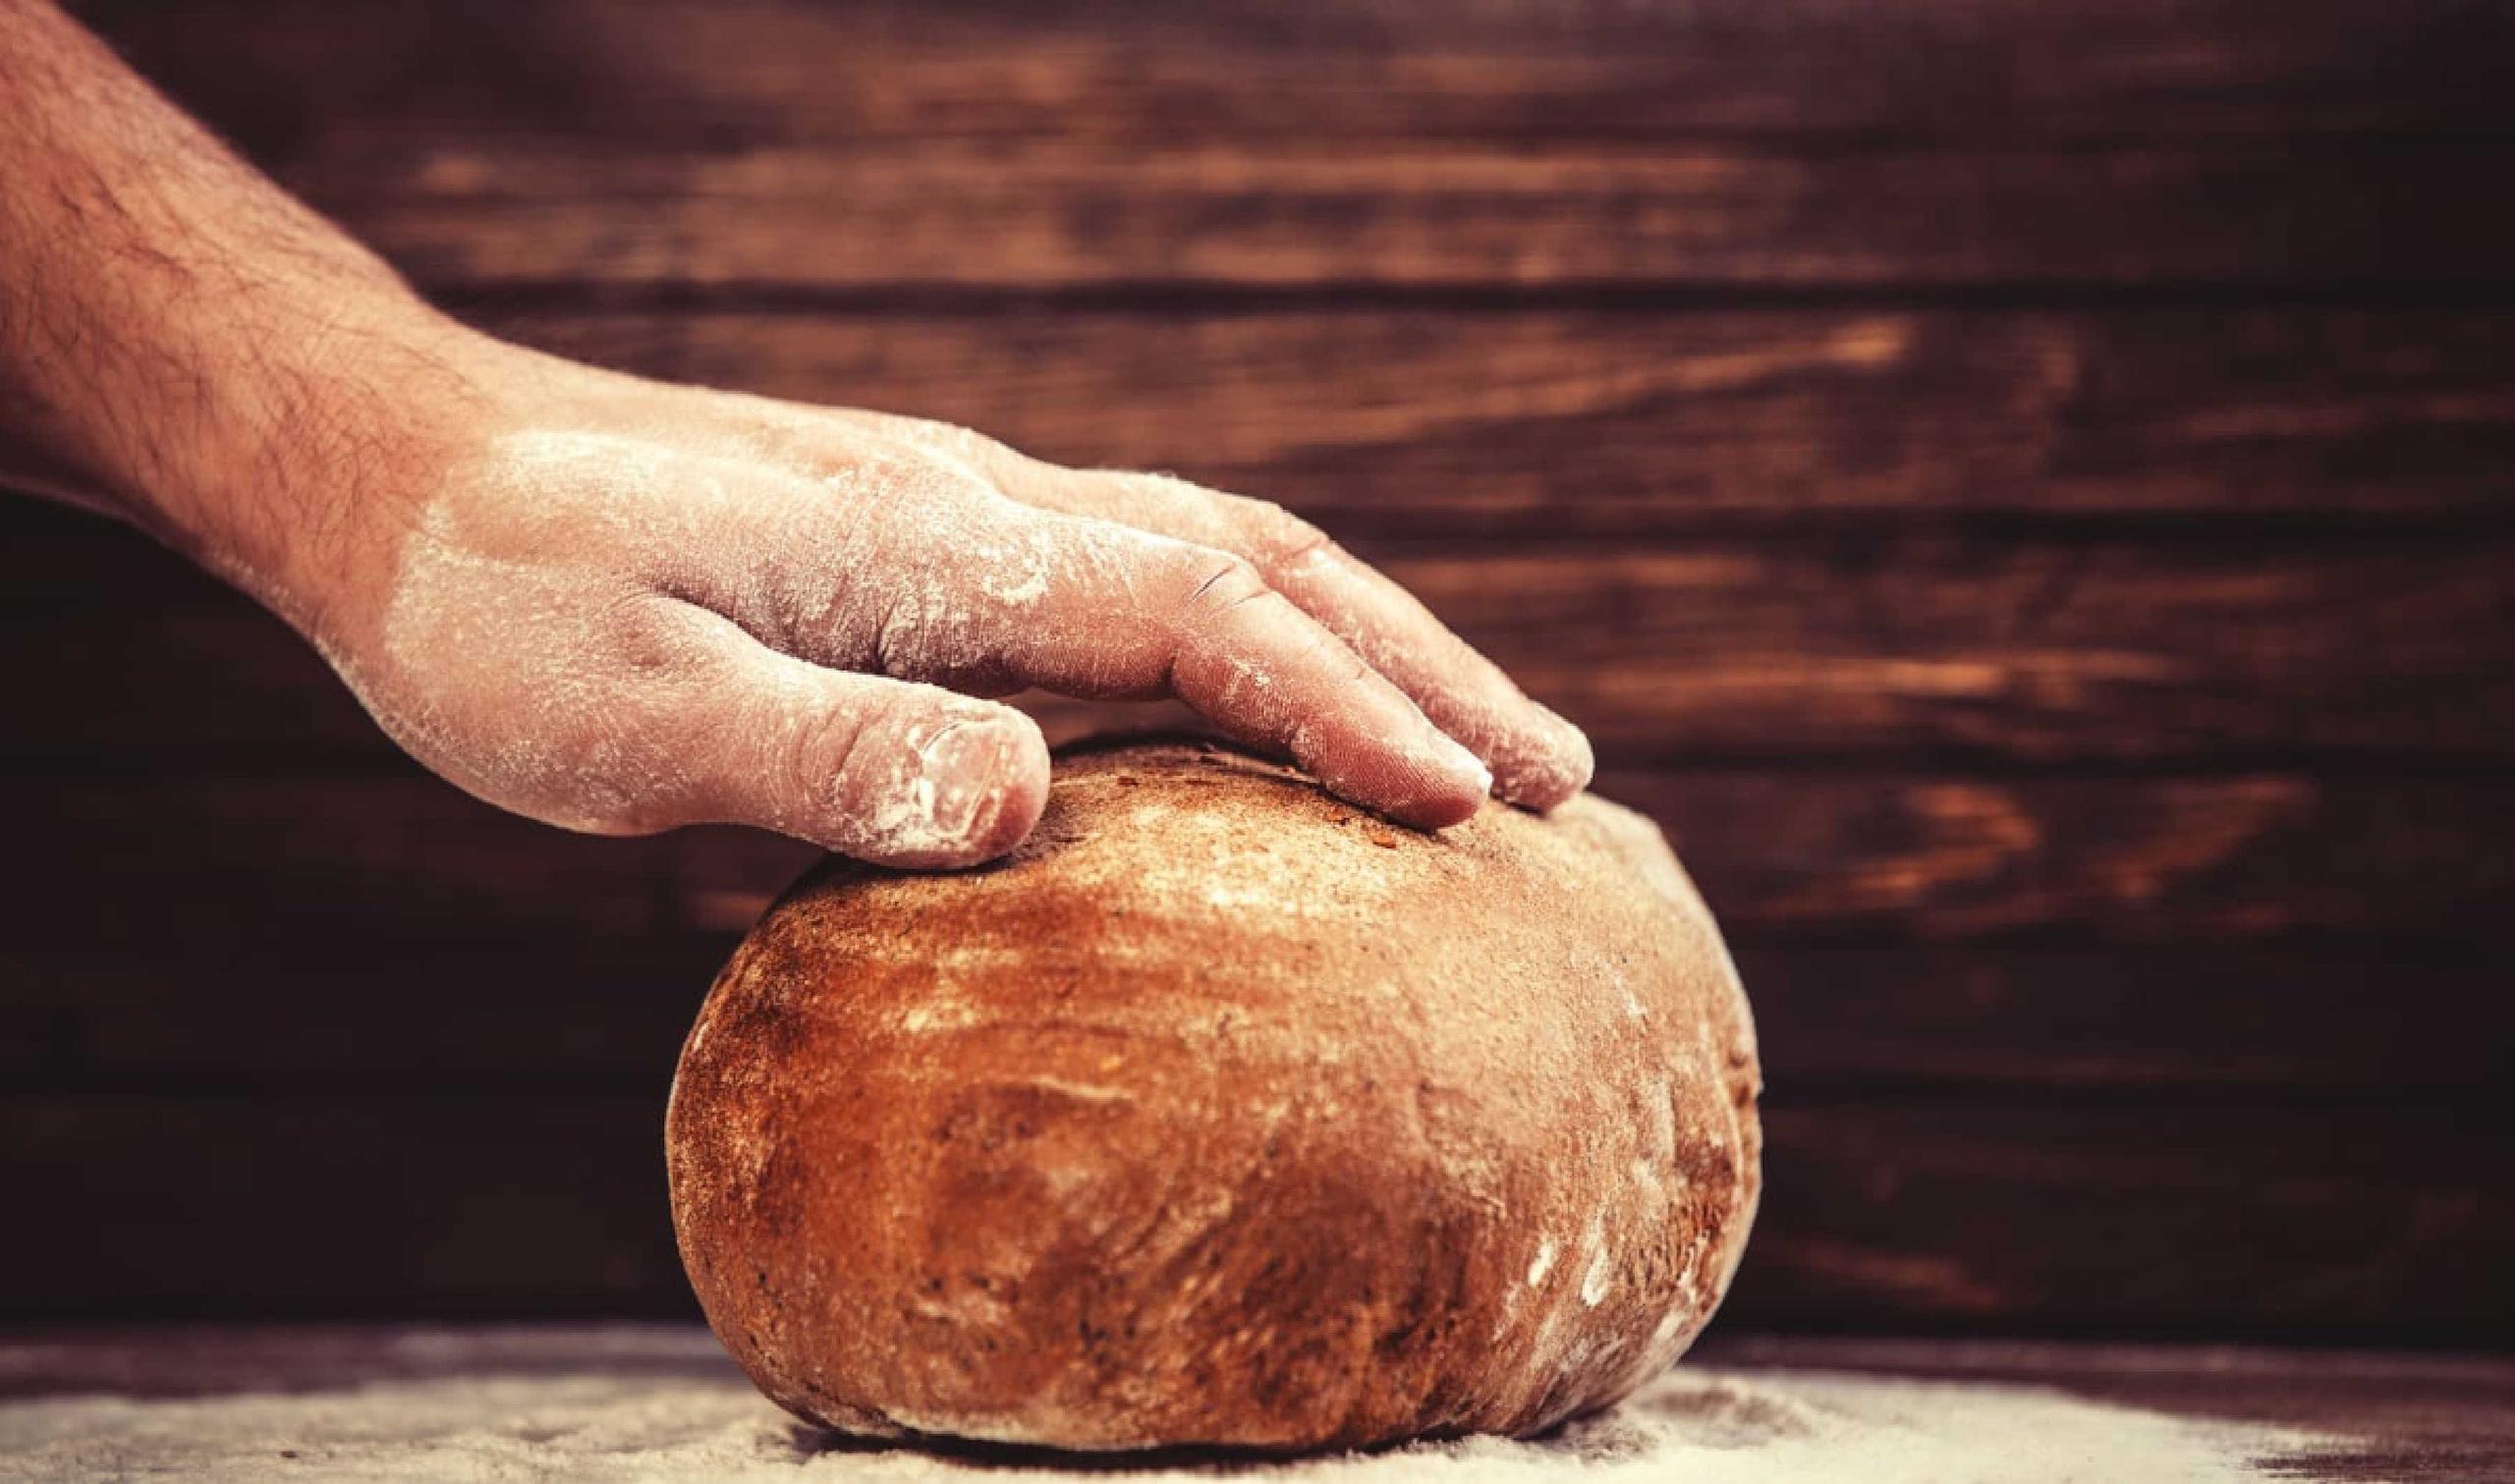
(969, 767)
(958, 763)
(1459, 760)
(1579, 759)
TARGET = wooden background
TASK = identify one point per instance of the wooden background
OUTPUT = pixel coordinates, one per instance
(2021, 490)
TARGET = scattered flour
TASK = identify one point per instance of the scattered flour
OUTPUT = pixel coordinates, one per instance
(683, 1413)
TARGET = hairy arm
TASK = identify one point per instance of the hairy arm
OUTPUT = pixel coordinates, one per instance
(617, 605)
(182, 344)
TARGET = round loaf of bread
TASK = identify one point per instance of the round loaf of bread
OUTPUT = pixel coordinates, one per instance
(1222, 1113)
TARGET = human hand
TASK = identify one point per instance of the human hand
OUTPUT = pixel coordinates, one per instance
(621, 606)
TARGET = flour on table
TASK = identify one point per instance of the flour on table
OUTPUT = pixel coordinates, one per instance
(680, 1414)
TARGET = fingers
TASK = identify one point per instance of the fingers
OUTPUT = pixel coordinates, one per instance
(1257, 665)
(1537, 759)
(887, 771)
(1107, 611)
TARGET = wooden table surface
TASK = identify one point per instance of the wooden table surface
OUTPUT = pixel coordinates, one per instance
(2377, 1414)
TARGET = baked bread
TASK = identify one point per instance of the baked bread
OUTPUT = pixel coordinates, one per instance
(1222, 1113)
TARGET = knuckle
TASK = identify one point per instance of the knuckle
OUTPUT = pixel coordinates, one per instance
(880, 506)
(820, 752)
(1276, 534)
(965, 447)
(1219, 583)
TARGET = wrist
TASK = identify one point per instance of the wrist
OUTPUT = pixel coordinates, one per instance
(264, 423)
(183, 346)
(318, 433)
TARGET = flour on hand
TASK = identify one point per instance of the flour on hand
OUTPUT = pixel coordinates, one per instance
(647, 606)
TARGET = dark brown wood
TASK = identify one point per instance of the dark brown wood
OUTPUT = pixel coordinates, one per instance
(2354, 1221)
(1458, 424)
(224, 863)
(2257, 855)
(273, 1206)
(597, 1016)
(496, 212)
(1042, 147)
(1373, 72)
(1402, 427)
(1870, 648)
(2198, 1218)
(221, 866)
(2376, 1021)
(2380, 1020)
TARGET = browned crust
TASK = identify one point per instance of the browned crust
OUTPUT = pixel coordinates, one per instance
(1222, 1113)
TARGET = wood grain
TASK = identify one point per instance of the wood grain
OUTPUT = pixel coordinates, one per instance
(1370, 71)
(1054, 148)
(475, 214)
(276, 1206)
(2372, 1223)
(1401, 424)
(2243, 856)
(1868, 648)
(2368, 1020)
(2202, 1219)
(225, 863)
(2383, 1022)
(1471, 427)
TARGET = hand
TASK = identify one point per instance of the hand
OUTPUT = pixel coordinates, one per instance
(621, 606)
(618, 606)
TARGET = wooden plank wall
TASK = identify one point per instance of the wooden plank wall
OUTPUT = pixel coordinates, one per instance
(2019, 489)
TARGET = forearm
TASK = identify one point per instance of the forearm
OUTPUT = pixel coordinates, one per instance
(180, 343)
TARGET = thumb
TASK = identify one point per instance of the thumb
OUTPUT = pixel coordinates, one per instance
(886, 771)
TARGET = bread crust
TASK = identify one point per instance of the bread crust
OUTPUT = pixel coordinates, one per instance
(1222, 1113)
